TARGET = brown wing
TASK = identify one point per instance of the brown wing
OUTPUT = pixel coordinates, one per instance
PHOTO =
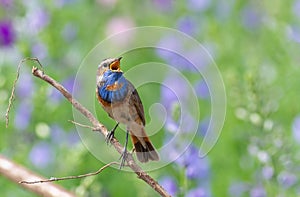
(137, 103)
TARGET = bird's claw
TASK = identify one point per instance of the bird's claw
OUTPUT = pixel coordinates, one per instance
(123, 158)
(133, 150)
(109, 137)
(111, 134)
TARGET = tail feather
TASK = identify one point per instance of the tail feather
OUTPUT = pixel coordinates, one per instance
(145, 152)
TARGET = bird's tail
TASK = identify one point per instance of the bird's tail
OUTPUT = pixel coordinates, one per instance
(144, 149)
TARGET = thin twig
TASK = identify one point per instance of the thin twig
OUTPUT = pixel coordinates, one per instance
(52, 179)
(12, 96)
(82, 125)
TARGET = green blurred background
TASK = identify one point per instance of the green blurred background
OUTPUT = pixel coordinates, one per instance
(255, 45)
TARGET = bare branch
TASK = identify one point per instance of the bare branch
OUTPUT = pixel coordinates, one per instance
(16, 173)
(97, 126)
(12, 96)
(82, 125)
(101, 128)
(52, 179)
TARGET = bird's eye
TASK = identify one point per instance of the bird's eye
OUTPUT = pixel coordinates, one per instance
(105, 65)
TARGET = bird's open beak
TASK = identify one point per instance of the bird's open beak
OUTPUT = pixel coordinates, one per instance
(115, 66)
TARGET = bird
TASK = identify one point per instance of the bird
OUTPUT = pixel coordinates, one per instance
(119, 98)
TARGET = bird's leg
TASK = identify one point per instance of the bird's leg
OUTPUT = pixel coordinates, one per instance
(133, 150)
(111, 134)
(124, 153)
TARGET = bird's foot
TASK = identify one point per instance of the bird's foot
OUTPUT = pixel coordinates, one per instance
(123, 158)
(133, 150)
(110, 136)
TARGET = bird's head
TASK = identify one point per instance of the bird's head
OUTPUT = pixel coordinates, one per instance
(112, 64)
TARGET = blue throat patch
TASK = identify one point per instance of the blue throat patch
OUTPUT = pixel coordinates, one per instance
(114, 88)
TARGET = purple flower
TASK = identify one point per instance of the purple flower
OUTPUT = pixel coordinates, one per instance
(173, 89)
(73, 138)
(258, 191)
(198, 192)
(69, 32)
(196, 167)
(38, 19)
(25, 86)
(55, 96)
(174, 94)
(293, 33)
(7, 34)
(69, 83)
(6, 3)
(202, 90)
(287, 179)
(223, 9)
(181, 62)
(171, 125)
(195, 59)
(188, 123)
(171, 50)
(23, 115)
(267, 172)
(163, 5)
(188, 25)
(174, 148)
(296, 129)
(166, 47)
(251, 17)
(119, 24)
(296, 8)
(39, 50)
(203, 126)
(41, 155)
(58, 135)
(107, 3)
(198, 5)
(169, 184)
(189, 156)
(61, 3)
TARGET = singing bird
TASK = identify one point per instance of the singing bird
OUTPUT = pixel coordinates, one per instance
(121, 101)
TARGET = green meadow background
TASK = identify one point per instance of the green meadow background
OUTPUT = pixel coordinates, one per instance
(255, 44)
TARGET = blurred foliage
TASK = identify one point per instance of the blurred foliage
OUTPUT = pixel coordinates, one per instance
(255, 45)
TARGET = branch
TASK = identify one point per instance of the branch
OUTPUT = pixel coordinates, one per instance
(99, 127)
(82, 125)
(16, 173)
(52, 179)
(12, 95)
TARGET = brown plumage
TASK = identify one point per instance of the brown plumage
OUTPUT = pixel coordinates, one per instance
(121, 101)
